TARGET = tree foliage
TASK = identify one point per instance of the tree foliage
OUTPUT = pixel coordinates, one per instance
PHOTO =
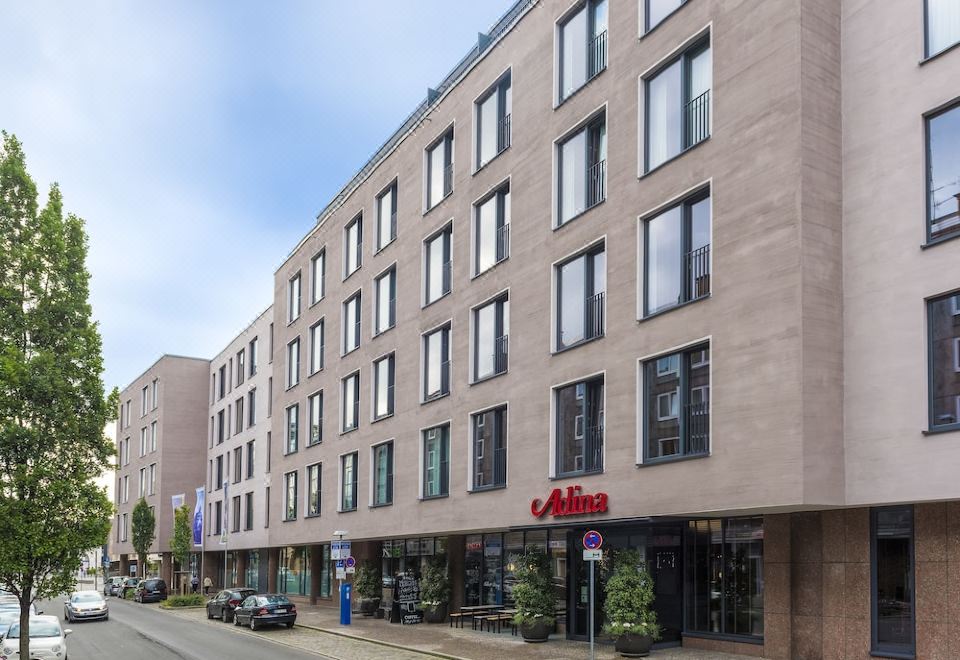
(52, 404)
(533, 591)
(143, 532)
(435, 584)
(628, 607)
(182, 540)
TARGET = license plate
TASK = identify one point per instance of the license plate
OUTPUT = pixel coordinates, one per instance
(281, 611)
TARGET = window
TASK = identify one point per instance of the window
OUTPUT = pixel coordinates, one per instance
(293, 362)
(155, 393)
(238, 415)
(221, 426)
(677, 404)
(125, 527)
(248, 511)
(493, 121)
(126, 410)
(153, 479)
(943, 173)
(266, 505)
(677, 255)
(235, 514)
(218, 517)
(293, 298)
(657, 10)
(581, 293)
(383, 381)
(580, 427)
(582, 170)
(315, 418)
(316, 346)
(492, 230)
(892, 581)
(353, 246)
(252, 407)
(153, 436)
(436, 461)
(678, 106)
(436, 363)
(143, 400)
(490, 449)
(440, 169)
(290, 496)
(348, 482)
(218, 484)
(944, 362)
(387, 216)
(313, 490)
(583, 46)
(351, 323)
(251, 453)
(943, 25)
(293, 429)
(143, 441)
(318, 276)
(241, 369)
(237, 465)
(723, 576)
(254, 344)
(126, 488)
(437, 265)
(386, 312)
(269, 397)
(491, 325)
(351, 402)
(383, 474)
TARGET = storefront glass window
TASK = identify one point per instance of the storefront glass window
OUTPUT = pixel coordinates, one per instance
(513, 548)
(557, 549)
(893, 596)
(325, 573)
(293, 572)
(492, 569)
(252, 576)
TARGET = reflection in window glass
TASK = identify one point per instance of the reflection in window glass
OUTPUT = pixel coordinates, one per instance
(944, 172)
(943, 25)
(893, 576)
(944, 327)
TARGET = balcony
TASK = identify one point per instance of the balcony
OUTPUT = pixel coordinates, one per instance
(696, 120)
(501, 346)
(593, 449)
(595, 316)
(696, 264)
(447, 180)
(503, 242)
(503, 134)
(696, 417)
(597, 54)
(596, 183)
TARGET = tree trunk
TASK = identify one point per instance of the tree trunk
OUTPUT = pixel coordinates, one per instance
(25, 598)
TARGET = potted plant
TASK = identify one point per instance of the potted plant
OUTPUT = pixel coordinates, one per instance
(435, 591)
(367, 585)
(628, 606)
(533, 596)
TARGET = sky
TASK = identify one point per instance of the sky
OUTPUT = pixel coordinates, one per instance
(200, 139)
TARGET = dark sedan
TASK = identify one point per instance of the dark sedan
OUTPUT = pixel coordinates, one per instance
(224, 603)
(265, 610)
(152, 590)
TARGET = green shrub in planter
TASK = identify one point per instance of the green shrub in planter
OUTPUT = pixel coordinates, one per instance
(628, 607)
(533, 596)
(368, 586)
(435, 590)
(188, 600)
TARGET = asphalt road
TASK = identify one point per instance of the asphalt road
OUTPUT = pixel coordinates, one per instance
(137, 632)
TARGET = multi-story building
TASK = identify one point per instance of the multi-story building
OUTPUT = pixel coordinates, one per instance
(238, 458)
(161, 431)
(678, 271)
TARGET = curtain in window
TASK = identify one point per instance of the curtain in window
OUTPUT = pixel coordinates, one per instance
(663, 116)
(943, 24)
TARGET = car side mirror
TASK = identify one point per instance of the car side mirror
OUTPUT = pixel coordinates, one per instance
(67, 632)
(39, 612)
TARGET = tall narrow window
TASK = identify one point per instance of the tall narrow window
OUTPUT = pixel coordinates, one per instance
(293, 362)
(436, 461)
(386, 289)
(580, 427)
(251, 455)
(353, 246)
(387, 216)
(293, 429)
(657, 10)
(235, 514)
(350, 398)
(221, 426)
(383, 474)
(143, 400)
(436, 363)
(581, 294)
(318, 276)
(582, 170)
(943, 172)
(238, 415)
(943, 25)
(893, 581)
(348, 482)
(153, 436)
(316, 346)
(248, 511)
(241, 369)
(437, 265)
(677, 404)
(144, 441)
(440, 169)
(154, 391)
(315, 418)
(943, 323)
(492, 230)
(583, 46)
(677, 255)
(252, 407)
(351, 323)
(490, 449)
(237, 465)
(290, 496)
(313, 490)
(254, 356)
(491, 326)
(383, 381)
(678, 105)
(493, 121)
(293, 298)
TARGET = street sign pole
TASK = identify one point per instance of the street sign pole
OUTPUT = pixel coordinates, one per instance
(592, 541)
(592, 563)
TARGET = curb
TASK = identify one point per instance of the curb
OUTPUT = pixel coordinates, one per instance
(399, 647)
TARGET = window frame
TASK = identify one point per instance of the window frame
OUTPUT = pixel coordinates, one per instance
(928, 117)
(391, 189)
(645, 25)
(445, 234)
(501, 331)
(589, 253)
(294, 301)
(391, 360)
(291, 440)
(931, 363)
(502, 219)
(446, 141)
(445, 364)
(293, 372)
(317, 358)
(308, 508)
(318, 395)
(356, 221)
(374, 457)
(287, 499)
(343, 402)
(504, 137)
(557, 471)
(588, 6)
(390, 272)
(875, 648)
(501, 437)
(357, 298)
(354, 457)
(320, 257)
(594, 121)
(444, 462)
(927, 55)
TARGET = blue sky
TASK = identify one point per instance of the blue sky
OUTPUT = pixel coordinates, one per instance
(199, 139)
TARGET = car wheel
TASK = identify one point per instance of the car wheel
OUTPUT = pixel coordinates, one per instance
(223, 616)
(253, 623)
(289, 624)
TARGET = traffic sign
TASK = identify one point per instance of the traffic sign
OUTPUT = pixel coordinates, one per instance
(592, 555)
(592, 540)
(350, 562)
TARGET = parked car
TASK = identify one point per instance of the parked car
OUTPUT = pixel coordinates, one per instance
(47, 639)
(129, 584)
(264, 610)
(150, 591)
(85, 605)
(112, 586)
(224, 603)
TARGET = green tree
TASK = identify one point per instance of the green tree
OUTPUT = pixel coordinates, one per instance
(182, 540)
(53, 408)
(143, 533)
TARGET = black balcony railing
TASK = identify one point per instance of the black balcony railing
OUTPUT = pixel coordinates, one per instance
(501, 347)
(697, 428)
(593, 449)
(393, 225)
(696, 120)
(444, 378)
(696, 263)
(597, 54)
(503, 133)
(503, 242)
(595, 316)
(447, 275)
(597, 183)
(447, 180)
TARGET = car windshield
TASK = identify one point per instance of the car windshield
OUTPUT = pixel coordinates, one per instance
(274, 600)
(37, 629)
(85, 598)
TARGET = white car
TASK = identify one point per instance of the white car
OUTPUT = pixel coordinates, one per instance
(85, 605)
(47, 640)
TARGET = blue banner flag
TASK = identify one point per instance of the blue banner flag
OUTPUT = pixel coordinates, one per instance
(198, 519)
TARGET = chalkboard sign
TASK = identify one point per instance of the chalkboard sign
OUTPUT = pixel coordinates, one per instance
(407, 599)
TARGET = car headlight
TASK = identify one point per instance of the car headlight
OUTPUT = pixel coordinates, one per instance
(7, 651)
(55, 649)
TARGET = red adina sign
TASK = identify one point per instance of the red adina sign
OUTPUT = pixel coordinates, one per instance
(571, 503)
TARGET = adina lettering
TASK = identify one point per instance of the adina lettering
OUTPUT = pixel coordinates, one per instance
(572, 503)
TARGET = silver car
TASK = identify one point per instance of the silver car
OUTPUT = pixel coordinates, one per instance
(85, 605)
(47, 640)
